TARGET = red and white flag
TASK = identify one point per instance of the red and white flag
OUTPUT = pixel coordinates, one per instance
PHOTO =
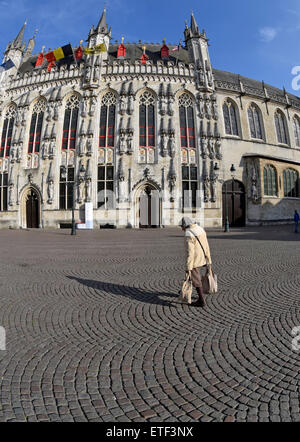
(175, 49)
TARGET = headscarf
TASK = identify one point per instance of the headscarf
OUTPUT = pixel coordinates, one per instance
(186, 222)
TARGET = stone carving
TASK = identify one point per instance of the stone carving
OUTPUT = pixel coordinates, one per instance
(45, 148)
(172, 145)
(206, 183)
(50, 190)
(208, 108)
(122, 105)
(12, 153)
(218, 149)
(211, 148)
(254, 191)
(51, 150)
(93, 103)
(84, 104)
(88, 189)
(122, 147)
(11, 195)
(204, 144)
(201, 106)
(89, 147)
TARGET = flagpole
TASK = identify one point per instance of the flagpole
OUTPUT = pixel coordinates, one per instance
(73, 55)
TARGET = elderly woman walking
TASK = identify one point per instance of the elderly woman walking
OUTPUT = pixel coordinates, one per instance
(197, 250)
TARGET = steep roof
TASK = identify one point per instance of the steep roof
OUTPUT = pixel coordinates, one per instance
(228, 80)
(251, 86)
(134, 52)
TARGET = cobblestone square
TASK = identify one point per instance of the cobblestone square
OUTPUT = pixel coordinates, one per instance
(95, 331)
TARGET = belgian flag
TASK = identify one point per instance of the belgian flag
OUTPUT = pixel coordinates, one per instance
(59, 53)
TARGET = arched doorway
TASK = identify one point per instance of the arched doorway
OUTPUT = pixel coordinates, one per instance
(149, 207)
(233, 193)
(32, 210)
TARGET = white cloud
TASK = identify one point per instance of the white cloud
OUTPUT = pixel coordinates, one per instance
(268, 34)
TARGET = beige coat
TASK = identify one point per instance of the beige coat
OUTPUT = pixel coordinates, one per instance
(194, 253)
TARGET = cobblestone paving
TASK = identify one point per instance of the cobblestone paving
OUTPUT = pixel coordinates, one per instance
(95, 331)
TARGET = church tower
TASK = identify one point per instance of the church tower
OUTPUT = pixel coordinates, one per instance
(15, 50)
(100, 34)
(197, 45)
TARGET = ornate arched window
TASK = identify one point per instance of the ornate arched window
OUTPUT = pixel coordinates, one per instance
(107, 120)
(230, 113)
(255, 122)
(281, 128)
(106, 169)
(147, 127)
(189, 172)
(8, 125)
(270, 181)
(36, 127)
(70, 123)
(290, 183)
(296, 126)
(187, 125)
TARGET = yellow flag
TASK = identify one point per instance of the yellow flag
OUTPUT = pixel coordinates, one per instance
(96, 49)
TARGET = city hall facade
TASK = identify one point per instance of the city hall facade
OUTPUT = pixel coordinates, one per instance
(139, 134)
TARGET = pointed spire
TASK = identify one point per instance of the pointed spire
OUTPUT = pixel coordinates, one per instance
(102, 25)
(194, 26)
(30, 46)
(18, 41)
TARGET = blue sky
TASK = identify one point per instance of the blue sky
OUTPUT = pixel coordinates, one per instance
(255, 38)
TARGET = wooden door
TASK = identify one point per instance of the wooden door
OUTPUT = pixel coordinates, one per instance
(233, 194)
(32, 210)
(149, 208)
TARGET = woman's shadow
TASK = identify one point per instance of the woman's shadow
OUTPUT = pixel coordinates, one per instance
(129, 292)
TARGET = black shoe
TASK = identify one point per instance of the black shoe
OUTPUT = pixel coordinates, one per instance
(198, 303)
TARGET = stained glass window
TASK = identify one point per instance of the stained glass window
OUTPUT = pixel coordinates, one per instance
(270, 177)
(281, 130)
(290, 183)
(8, 125)
(230, 118)
(70, 123)
(255, 122)
(296, 126)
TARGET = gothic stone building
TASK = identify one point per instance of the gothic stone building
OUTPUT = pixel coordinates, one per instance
(139, 135)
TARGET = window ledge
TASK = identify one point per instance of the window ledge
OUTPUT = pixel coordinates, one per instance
(232, 137)
(284, 145)
(291, 198)
(258, 140)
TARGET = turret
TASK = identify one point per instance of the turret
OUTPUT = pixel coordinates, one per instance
(100, 34)
(197, 45)
(30, 47)
(15, 50)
